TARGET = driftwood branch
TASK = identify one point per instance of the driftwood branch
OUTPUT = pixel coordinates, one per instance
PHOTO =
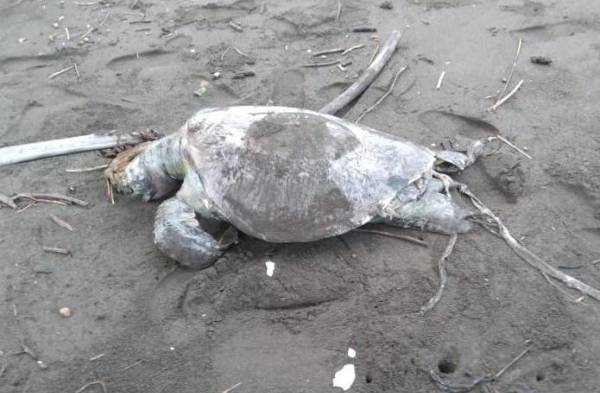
(365, 80)
(523, 252)
(443, 276)
(58, 147)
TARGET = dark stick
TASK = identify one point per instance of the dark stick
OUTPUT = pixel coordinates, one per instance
(53, 197)
(386, 52)
(395, 236)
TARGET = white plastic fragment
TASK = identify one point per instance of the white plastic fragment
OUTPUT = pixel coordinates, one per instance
(351, 353)
(270, 268)
(345, 377)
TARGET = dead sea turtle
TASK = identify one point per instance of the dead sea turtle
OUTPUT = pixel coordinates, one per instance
(284, 175)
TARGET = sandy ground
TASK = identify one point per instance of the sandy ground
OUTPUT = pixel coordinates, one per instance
(155, 327)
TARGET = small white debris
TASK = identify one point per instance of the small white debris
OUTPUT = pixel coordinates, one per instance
(55, 25)
(345, 377)
(172, 348)
(309, 51)
(22, 40)
(42, 365)
(351, 353)
(270, 268)
(65, 312)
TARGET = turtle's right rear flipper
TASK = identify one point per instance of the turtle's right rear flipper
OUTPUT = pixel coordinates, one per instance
(433, 211)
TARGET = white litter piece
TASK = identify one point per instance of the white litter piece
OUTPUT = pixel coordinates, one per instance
(270, 268)
(351, 353)
(345, 377)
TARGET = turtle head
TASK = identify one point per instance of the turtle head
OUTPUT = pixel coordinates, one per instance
(139, 172)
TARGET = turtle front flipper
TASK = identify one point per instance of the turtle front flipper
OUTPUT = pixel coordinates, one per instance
(178, 234)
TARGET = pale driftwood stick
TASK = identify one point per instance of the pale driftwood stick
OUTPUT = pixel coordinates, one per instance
(367, 77)
(87, 385)
(59, 147)
(61, 223)
(524, 253)
(339, 10)
(506, 97)
(90, 169)
(512, 70)
(440, 80)
(57, 73)
(395, 236)
(56, 250)
(232, 388)
(443, 276)
(384, 96)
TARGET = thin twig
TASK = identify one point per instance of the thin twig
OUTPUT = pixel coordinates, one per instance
(57, 73)
(77, 71)
(510, 144)
(90, 169)
(395, 236)
(87, 385)
(61, 223)
(235, 49)
(440, 80)
(339, 10)
(328, 52)
(231, 388)
(359, 46)
(96, 357)
(374, 52)
(133, 364)
(506, 97)
(384, 96)
(88, 32)
(327, 64)
(595, 262)
(44, 197)
(367, 77)
(512, 70)
(511, 363)
(443, 276)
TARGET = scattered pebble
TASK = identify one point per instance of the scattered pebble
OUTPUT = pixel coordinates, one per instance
(386, 5)
(270, 268)
(22, 40)
(65, 312)
(172, 348)
(42, 365)
(541, 60)
(345, 377)
(351, 353)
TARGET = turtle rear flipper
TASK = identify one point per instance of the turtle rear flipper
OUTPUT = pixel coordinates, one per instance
(433, 211)
(178, 234)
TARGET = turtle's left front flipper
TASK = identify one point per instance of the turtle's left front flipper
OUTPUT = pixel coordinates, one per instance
(178, 234)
